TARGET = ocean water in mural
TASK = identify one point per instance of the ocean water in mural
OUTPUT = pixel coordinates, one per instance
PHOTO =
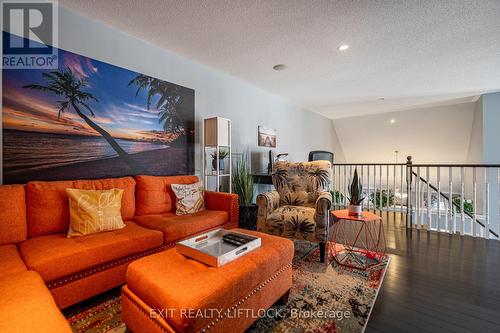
(90, 119)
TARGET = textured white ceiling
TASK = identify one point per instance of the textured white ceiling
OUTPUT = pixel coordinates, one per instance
(412, 53)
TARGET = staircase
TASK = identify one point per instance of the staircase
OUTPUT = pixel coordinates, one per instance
(448, 198)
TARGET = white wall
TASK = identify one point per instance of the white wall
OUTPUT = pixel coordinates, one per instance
(217, 94)
(475, 151)
(430, 135)
(485, 135)
(491, 151)
(491, 128)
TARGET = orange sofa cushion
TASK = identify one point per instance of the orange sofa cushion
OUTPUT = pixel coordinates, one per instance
(169, 280)
(227, 202)
(12, 214)
(10, 261)
(177, 227)
(154, 193)
(48, 204)
(55, 256)
(26, 305)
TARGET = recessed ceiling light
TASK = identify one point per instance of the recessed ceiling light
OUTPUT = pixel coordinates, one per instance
(343, 47)
(279, 67)
(392, 121)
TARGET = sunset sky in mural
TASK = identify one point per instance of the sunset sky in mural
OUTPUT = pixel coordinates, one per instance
(118, 110)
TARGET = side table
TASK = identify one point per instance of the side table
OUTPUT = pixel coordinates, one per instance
(363, 239)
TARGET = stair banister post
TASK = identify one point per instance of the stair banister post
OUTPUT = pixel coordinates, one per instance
(409, 178)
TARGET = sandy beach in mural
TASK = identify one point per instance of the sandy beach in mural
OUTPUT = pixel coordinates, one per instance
(21, 165)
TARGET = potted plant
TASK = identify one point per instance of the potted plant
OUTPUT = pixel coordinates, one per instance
(222, 155)
(382, 198)
(355, 195)
(468, 205)
(243, 186)
(337, 197)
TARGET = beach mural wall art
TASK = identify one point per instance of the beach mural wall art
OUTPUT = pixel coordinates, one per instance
(90, 119)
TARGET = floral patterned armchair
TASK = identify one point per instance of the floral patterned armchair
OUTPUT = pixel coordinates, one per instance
(299, 208)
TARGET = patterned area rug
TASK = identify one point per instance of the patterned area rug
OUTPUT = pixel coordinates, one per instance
(324, 298)
(100, 314)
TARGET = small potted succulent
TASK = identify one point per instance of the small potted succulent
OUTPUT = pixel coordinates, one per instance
(355, 195)
(222, 155)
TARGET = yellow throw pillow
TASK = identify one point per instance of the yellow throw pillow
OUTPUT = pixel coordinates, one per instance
(189, 198)
(94, 211)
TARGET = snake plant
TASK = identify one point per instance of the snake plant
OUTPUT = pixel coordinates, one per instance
(243, 181)
(356, 190)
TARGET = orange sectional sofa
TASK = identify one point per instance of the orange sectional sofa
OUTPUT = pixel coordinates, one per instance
(78, 268)
(34, 221)
(22, 293)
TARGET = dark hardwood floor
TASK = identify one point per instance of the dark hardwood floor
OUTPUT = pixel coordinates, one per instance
(437, 282)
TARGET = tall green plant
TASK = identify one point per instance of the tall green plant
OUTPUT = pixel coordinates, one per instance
(356, 190)
(468, 205)
(337, 197)
(243, 181)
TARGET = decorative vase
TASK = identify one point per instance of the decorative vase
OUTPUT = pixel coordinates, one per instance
(221, 165)
(248, 217)
(354, 210)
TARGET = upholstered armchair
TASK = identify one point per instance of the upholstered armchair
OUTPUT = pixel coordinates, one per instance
(299, 207)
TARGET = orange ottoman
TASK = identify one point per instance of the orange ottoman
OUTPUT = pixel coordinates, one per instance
(167, 292)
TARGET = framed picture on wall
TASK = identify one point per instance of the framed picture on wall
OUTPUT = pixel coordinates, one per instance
(267, 137)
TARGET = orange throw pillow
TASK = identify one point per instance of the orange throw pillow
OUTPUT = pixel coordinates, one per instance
(94, 211)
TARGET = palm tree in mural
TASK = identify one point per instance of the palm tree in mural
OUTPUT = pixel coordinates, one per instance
(64, 83)
(170, 105)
